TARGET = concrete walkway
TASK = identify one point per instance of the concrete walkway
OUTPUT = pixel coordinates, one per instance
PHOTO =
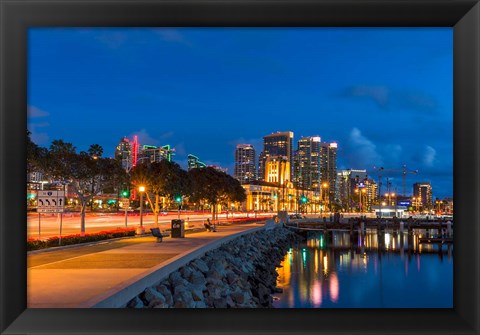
(110, 274)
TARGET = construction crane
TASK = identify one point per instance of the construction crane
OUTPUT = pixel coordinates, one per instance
(404, 171)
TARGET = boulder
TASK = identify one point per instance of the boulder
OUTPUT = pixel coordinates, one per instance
(200, 265)
(166, 293)
(197, 278)
(135, 303)
(153, 296)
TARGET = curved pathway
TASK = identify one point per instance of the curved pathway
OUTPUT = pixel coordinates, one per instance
(109, 274)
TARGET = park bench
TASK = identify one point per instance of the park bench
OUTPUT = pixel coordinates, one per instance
(158, 234)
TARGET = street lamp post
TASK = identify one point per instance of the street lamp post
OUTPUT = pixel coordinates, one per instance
(324, 186)
(364, 197)
(141, 189)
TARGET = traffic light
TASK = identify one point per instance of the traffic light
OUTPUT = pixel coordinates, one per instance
(126, 193)
(178, 198)
(275, 196)
(304, 199)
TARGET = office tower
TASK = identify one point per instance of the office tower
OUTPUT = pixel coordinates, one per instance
(245, 168)
(123, 153)
(194, 162)
(307, 163)
(350, 185)
(328, 167)
(424, 192)
(278, 144)
(152, 153)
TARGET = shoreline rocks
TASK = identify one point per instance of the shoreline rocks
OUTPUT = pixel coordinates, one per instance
(239, 274)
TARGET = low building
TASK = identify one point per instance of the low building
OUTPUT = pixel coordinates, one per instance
(391, 211)
(273, 197)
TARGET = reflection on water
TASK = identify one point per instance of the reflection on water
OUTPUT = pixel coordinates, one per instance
(387, 270)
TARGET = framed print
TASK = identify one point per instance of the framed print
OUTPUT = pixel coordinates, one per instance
(352, 124)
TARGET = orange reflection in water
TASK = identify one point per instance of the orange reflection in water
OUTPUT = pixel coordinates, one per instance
(334, 287)
(316, 293)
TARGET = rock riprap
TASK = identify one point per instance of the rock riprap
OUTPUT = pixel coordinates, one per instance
(239, 274)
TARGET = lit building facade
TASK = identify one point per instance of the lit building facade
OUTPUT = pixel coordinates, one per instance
(355, 190)
(277, 170)
(154, 154)
(271, 197)
(194, 162)
(245, 166)
(278, 144)
(123, 153)
(328, 168)
(307, 163)
(423, 193)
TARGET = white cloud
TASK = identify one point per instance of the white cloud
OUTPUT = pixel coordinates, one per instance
(363, 151)
(429, 156)
(34, 112)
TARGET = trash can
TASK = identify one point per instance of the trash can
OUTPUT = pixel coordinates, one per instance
(178, 228)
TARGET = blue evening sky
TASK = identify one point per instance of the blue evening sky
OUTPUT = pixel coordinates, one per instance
(385, 95)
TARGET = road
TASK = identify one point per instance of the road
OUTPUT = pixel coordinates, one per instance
(50, 223)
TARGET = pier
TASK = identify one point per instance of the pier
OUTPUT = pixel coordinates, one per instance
(414, 232)
(443, 228)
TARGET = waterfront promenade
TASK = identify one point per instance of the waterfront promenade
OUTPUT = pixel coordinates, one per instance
(108, 274)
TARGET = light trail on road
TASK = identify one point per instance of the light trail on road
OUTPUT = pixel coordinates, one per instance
(50, 223)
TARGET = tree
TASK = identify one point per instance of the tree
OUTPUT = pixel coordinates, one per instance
(161, 179)
(215, 187)
(88, 175)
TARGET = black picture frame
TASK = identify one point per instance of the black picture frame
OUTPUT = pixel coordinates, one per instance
(17, 16)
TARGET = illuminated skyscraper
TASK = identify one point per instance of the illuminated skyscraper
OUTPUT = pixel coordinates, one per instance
(245, 167)
(123, 153)
(424, 191)
(350, 183)
(152, 153)
(307, 163)
(328, 167)
(278, 144)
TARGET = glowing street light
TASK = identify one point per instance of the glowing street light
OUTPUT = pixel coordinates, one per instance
(324, 186)
(141, 189)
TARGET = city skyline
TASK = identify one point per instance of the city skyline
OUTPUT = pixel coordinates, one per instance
(384, 95)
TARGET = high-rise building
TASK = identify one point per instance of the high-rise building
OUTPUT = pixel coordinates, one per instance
(351, 184)
(307, 163)
(152, 153)
(123, 153)
(424, 192)
(194, 162)
(276, 144)
(245, 168)
(328, 167)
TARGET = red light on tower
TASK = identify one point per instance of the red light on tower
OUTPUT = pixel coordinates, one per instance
(134, 160)
(135, 151)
